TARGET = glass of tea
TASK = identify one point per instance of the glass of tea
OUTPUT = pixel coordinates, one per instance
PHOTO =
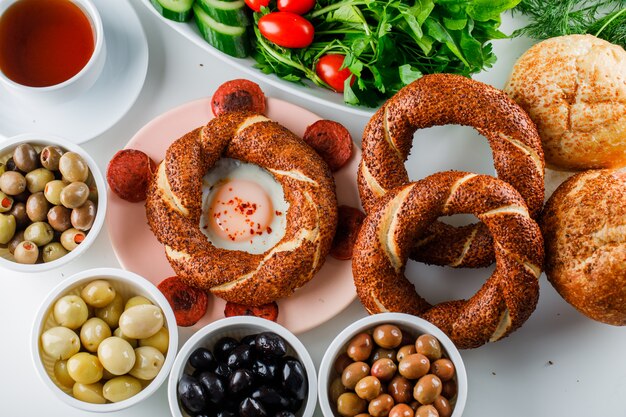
(51, 51)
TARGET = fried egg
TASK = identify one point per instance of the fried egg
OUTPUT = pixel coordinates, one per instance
(243, 207)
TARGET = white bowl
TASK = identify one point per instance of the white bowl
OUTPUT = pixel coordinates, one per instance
(7, 146)
(79, 83)
(405, 322)
(238, 327)
(127, 284)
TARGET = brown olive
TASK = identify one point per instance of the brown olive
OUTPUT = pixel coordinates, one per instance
(349, 404)
(426, 411)
(363, 415)
(50, 156)
(52, 191)
(21, 217)
(443, 368)
(414, 366)
(37, 207)
(74, 195)
(26, 252)
(82, 218)
(442, 406)
(387, 336)
(354, 373)
(360, 347)
(400, 389)
(335, 390)
(73, 167)
(384, 369)
(405, 351)
(429, 346)
(427, 389)
(18, 238)
(59, 218)
(71, 238)
(36, 180)
(6, 203)
(401, 410)
(381, 405)
(25, 157)
(449, 389)
(368, 388)
(383, 353)
(342, 362)
(12, 183)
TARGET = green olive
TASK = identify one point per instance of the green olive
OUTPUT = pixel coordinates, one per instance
(59, 218)
(26, 252)
(37, 207)
(70, 311)
(142, 321)
(121, 388)
(135, 301)
(160, 340)
(53, 251)
(60, 342)
(3, 168)
(12, 183)
(73, 167)
(18, 238)
(82, 218)
(40, 233)
(52, 191)
(74, 195)
(61, 374)
(89, 393)
(19, 212)
(93, 332)
(6, 202)
(36, 180)
(85, 368)
(130, 340)
(25, 157)
(71, 238)
(148, 363)
(98, 293)
(7, 228)
(116, 355)
(112, 312)
(50, 156)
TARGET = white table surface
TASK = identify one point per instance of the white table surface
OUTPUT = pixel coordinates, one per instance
(559, 364)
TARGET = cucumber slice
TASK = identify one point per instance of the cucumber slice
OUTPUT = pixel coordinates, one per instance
(176, 10)
(232, 40)
(232, 13)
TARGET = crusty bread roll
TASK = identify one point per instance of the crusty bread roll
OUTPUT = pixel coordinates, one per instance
(584, 228)
(574, 89)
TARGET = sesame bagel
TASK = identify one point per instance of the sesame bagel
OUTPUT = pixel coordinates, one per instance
(404, 214)
(441, 99)
(174, 208)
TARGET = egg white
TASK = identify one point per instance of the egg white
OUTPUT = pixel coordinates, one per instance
(228, 169)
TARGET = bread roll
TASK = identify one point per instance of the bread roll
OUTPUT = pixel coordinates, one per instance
(574, 89)
(584, 228)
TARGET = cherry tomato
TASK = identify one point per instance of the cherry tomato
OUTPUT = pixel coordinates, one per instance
(327, 68)
(257, 4)
(287, 29)
(295, 6)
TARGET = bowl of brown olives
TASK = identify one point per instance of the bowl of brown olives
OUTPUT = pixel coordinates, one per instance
(51, 204)
(392, 365)
(104, 340)
(243, 366)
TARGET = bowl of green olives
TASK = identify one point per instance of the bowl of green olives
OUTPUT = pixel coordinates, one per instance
(243, 366)
(52, 204)
(392, 365)
(104, 339)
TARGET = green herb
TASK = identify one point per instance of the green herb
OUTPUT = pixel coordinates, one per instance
(550, 18)
(389, 44)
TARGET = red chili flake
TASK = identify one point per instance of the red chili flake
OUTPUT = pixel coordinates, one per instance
(250, 212)
(258, 225)
(251, 231)
(230, 188)
(206, 226)
(269, 229)
(279, 213)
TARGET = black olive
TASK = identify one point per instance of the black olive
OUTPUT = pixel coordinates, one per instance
(191, 394)
(10, 165)
(223, 371)
(241, 382)
(293, 378)
(250, 407)
(223, 347)
(213, 387)
(266, 369)
(271, 398)
(249, 340)
(270, 344)
(294, 404)
(240, 357)
(284, 413)
(226, 413)
(202, 358)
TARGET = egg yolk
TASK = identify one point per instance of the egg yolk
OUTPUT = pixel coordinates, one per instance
(239, 210)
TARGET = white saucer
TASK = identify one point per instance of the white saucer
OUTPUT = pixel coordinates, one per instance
(107, 101)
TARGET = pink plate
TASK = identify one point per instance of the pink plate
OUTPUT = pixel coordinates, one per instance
(137, 249)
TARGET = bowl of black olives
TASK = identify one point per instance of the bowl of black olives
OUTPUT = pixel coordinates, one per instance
(51, 209)
(243, 367)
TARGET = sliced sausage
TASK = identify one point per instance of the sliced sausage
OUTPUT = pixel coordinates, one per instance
(129, 173)
(238, 95)
(331, 140)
